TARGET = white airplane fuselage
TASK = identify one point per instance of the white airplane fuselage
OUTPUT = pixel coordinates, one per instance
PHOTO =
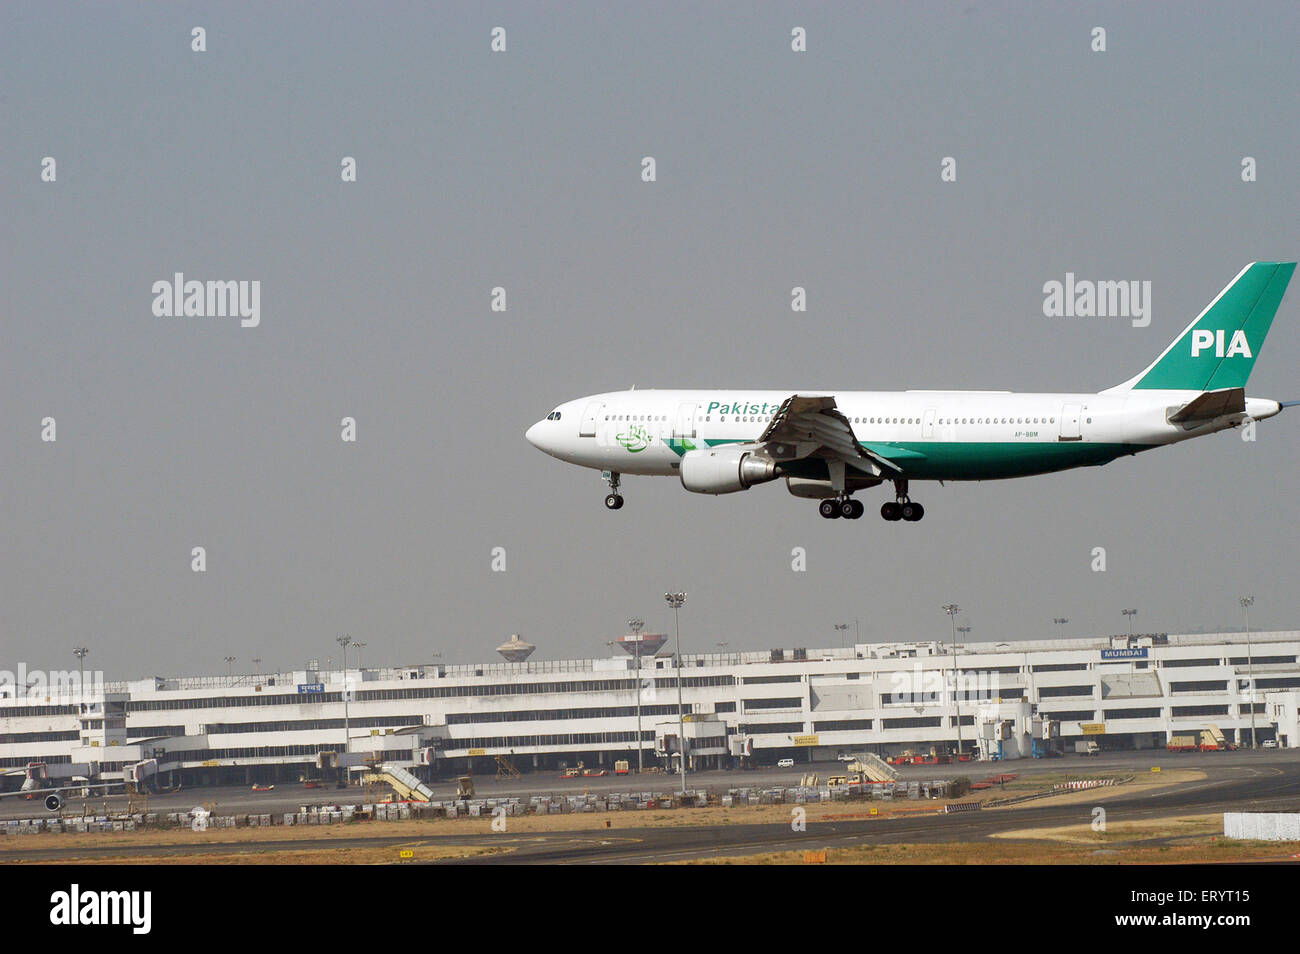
(954, 435)
(832, 443)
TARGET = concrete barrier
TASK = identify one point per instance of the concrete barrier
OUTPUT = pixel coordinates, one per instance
(1262, 826)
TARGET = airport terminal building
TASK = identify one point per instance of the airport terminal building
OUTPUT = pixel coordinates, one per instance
(996, 700)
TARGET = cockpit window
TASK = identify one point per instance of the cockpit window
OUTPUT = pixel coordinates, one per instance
(553, 416)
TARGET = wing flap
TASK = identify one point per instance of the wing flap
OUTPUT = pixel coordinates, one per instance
(812, 426)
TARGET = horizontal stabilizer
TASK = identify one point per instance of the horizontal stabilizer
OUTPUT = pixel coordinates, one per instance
(1210, 405)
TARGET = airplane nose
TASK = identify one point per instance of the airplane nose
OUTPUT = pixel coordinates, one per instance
(534, 435)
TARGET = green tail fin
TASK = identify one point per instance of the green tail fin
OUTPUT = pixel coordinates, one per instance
(1219, 348)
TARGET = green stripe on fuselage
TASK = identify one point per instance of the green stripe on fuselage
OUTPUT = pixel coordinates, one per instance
(965, 460)
(991, 460)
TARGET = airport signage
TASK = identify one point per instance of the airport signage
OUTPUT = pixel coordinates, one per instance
(478, 751)
(1093, 728)
(806, 740)
(304, 687)
(1124, 653)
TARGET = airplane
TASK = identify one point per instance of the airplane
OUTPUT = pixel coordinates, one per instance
(54, 796)
(830, 444)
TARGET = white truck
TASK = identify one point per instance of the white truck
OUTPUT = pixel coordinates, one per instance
(1086, 748)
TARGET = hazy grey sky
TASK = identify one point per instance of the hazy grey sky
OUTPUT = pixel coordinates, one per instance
(521, 169)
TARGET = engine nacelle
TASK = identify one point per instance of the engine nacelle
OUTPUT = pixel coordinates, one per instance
(812, 488)
(53, 802)
(725, 470)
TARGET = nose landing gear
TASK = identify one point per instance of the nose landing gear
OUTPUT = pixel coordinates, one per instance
(614, 501)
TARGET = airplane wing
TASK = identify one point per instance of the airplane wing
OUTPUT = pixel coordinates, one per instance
(71, 786)
(1208, 406)
(812, 426)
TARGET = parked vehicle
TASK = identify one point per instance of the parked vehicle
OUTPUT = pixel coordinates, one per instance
(785, 763)
(1086, 748)
(1207, 740)
(1268, 744)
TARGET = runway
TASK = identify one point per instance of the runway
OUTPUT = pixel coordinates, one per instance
(1261, 788)
(1240, 781)
(237, 800)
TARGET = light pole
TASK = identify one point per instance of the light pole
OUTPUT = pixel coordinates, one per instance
(257, 664)
(80, 653)
(843, 628)
(1246, 603)
(675, 600)
(636, 625)
(358, 647)
(1060, 622)
(1130, 613)
(952, 609)
(230, 667)
(345, 641)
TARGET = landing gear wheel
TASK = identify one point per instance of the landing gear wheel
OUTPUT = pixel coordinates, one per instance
(859, 508)
(918, 512)
(849, 509)
(911, 511)
(891, 511)
(830, 509)
(615, 500)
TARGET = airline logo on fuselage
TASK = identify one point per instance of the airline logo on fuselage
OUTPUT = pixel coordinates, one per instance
(1203, 338)
(635, 439)
(738, 407)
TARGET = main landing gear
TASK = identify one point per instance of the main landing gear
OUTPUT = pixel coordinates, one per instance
(903, 508)
(615, 500)
(845, 507)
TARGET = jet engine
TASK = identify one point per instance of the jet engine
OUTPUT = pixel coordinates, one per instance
(725, 470)
(53, 802)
